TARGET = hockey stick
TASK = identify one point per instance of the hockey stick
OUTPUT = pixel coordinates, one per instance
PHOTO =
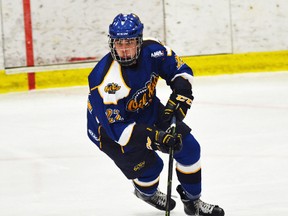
(170, 167)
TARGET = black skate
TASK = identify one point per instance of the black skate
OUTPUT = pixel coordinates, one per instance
(198, 207)
(158, 200)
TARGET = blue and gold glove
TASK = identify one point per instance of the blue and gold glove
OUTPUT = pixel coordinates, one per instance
(162, 141)
(177, 105)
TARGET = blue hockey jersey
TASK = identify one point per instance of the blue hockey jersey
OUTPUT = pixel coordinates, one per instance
(121, 97)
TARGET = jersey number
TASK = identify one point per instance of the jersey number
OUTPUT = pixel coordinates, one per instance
(113, 115)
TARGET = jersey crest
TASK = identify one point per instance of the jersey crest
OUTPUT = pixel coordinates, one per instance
(113, 87)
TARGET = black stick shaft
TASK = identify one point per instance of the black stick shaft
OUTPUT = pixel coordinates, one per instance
(170, 168)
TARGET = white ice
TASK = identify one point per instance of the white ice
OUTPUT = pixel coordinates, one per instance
(48, 166)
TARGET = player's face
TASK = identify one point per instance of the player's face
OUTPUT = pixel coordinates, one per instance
(126, 48)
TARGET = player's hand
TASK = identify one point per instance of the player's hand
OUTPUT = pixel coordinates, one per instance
(162, 141)
(177, 105)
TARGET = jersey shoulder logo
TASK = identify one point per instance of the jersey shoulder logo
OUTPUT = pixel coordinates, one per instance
(179, 62)
(157, 54)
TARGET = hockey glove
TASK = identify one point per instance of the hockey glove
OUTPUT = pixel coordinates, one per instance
(177, 105)
(162, 141)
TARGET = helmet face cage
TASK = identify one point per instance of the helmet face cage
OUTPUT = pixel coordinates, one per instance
(126, 60)
(126, 27)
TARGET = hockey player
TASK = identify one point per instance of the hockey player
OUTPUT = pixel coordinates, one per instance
(127, 121)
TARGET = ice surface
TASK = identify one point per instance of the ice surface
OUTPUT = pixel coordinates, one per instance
(48, 166)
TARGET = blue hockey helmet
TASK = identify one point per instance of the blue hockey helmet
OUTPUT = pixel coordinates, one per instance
(126, 26)
(123, 27)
